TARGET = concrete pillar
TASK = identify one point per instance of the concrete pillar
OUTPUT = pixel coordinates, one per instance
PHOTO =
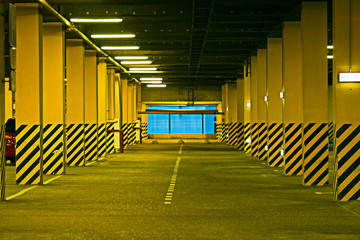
(254, 108)
(315, 98)
(101, 106)
(130, 103)
(293, 95)
(346, 115)
(2, 102)
(240, 112)
(29, 94)
(91, 146)
(75, 99)
(135, 103)
(8, 102)
(54, 150)
(232, 127)
(247, 107)
(124, 98)
(274, 112)
(117, 95)
(111, 93)
(262, 106)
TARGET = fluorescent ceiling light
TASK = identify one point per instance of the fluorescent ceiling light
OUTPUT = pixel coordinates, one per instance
(120, 48)
(349, 77)
(89, 20)
(131, 57)
(330, 47)
(113, 35)
(143, 69)
(135, 71)
(149, 79)
(330, 56)
(135, 62)
(156, 85)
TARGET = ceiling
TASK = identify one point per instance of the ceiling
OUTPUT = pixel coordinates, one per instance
(192, 42)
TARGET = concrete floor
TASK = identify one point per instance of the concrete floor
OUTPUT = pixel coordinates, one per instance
(219, 193)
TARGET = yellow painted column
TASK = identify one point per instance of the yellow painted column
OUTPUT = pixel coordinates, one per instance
(232, 114)
(254, 107)
(54, 150)
(29, 94)
(124, 97)
(315, 90)
(240, 113)
(130, 103)
(75, 114)
(111, 93)
(2, 102)
(262, 107)
(91, 146)
(346, 114)
(8, 102)
(117, 96)
(101, 106)
(274, 104)
(293, 95)
(247, 107)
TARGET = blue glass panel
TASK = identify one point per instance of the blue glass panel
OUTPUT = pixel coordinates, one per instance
(158, 123)
(186, 123)
(209, 123)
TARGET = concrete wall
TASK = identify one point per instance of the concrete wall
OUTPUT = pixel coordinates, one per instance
(180, 93)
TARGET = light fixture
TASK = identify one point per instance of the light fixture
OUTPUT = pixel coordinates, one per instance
(156, 85)
(248, 105)
(131, 57)
(281, 94)
(149, 79)
(227, 135)
(266, 148)
(113, 35)
(102, 20)
(248, 140)
(120, 47)
(135, 71)
(330, 47)
(330, 56)
(227, 109)
(135, 62)
(349, 77)
(143, 69)
(282, 152)
(266, 98)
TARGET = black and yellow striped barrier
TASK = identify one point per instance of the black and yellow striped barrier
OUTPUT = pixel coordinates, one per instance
(127, 132)
(331, 131)
(247, 138)
(316, 154)
(233, 134)
(91, 142)
(28, 155)
(275, 144)
(347, 181)
(240, 136)
(102, 140)
(53, 149)
(218, 130)
(226, 132)
(110, 148)
(144, 130)
(254, 140)
(223, 135)
(293, 149)
(262, 133)
(2, 163)
(75, 144)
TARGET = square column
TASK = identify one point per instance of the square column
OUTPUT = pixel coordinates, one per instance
(262, 106)
(91, 151)
(232, 114)
(315, 98)
(247, 107)
(110, 148)
(54, 98)
(101, 106)
(75, 102)
(29, 164)
(240, 113)
(274, 104)
(2, 102)
(254, 107)
(293, 94)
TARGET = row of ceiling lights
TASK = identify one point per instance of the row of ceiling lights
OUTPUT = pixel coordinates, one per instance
(153, 82)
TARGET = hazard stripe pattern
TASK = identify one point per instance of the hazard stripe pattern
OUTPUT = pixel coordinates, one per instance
(347, 182)
(91, 142)
(316, 154)
(126, 133)
(53, 149)
(75, 144)
(2, 162)
(247, 137)
(240, 136)
(293, 149)
(218, 130)
(28, 154)
(110, 148)
(275, 144)
(102, 140)
(144, 130)
(331, 130)
(254, 140)
(226, 130)
(262, 133)
(223, 132)
(132, 135)
(233, 132)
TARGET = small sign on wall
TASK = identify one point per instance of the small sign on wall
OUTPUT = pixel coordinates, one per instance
(349, 77)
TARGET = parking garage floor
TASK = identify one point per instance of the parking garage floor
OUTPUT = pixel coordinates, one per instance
(176, 191)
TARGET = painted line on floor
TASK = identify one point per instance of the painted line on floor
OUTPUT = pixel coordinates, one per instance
(172, 184)
(349, 209)
(30, 188)
(87, 164)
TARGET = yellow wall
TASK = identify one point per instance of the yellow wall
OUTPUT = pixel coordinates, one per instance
(90, 87)
(261, 84)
